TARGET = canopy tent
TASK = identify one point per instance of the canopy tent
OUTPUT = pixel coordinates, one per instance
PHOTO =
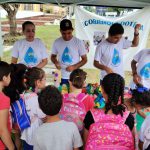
(112, 3)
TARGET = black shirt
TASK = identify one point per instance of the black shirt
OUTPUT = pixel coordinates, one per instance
(90, 120)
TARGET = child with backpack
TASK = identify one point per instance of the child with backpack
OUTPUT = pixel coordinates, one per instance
(55, 134)
(76, 104)
(110, 127)
(13, 91)
(5, 121)
(141, 99)
(34, 80)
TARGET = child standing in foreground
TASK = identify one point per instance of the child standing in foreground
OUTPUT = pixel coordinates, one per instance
(5, 123)
(76, 104)
(13, 91)
(112, 126)
(35, 80)
(55, 134)
(141, 99)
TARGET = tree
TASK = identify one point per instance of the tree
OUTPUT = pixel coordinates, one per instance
(11, 10)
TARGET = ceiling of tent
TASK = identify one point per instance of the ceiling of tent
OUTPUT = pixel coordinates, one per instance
(118, 3)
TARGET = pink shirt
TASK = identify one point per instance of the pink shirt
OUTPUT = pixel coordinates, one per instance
(4, 104)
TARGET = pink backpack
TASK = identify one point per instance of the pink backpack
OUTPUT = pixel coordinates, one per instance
(109, 132)
(73, 110)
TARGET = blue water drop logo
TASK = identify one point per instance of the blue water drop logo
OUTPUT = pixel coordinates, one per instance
(66, 57)
(145, 71)
(116, 57)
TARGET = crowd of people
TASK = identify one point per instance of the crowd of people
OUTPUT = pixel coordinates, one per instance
(74, 120)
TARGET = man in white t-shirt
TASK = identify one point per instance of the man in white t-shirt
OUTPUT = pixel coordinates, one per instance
(109, 54)
(141, 68)
(68, 52)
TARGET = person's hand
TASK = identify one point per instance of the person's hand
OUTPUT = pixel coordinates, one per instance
(136, 78)
(70, 68)
(137, 28)
(109, 70)
(57, 64)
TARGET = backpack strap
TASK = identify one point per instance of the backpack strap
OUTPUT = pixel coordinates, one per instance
(80, 97)
(99, 115)
(125, 116)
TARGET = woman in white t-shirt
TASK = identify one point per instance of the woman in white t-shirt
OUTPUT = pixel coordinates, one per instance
(141, 68)
(30, 50)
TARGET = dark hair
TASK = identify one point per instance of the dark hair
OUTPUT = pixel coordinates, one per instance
(16, 86)
(27, 23)
(113, 85)
(78, 77)
(50, 100)
(31, 75)
(116, 29)
(141, 98)
(5, 69)
(65, 25)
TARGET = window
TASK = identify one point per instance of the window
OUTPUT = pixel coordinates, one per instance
(28, 6)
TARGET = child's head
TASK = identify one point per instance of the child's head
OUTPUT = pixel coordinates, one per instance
(50, 100)
(16, 86)
(28, 29)
(77, 78)
(5, 71)
(113, 92)
(141, 97)
(34, 79)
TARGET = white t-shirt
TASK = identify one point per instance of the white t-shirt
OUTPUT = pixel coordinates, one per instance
(59, 135)
(145, 132)
(35, 114)
(29, 53)
(111, 55)
(143, 66)
(69, 53)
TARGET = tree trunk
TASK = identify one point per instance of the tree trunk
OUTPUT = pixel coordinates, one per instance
(12, 22)
(11, 11)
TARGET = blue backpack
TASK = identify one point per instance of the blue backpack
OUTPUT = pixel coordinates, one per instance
(19, 114)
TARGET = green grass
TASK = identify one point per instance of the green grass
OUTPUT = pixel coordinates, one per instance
(48, 34)
(7, 56)
(4, 19)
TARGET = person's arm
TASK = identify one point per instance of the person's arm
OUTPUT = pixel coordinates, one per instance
(142, 114)
(4, 133)
(140, 145)
(135, 41)
(43, 63)
(15, 53)
(14, 60)
(102, 67)
(85, 135)
(78, 65)
(76, 138)
(76, 149)
(136, 77)
(55, 61)
(44, 55)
